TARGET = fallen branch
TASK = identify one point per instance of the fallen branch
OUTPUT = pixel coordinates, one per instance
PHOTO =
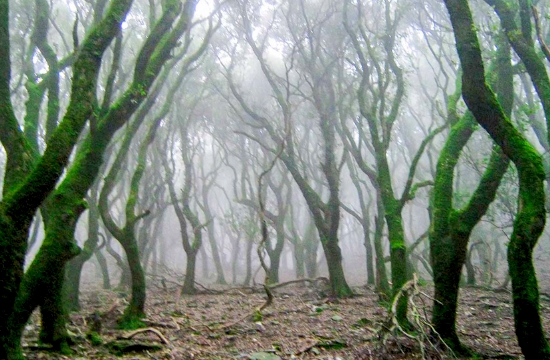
(149, 329)
(298, 281)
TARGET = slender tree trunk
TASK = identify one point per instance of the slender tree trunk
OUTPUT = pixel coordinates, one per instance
(382, 284)
(470, 270)
(248, 263)
(74, 266)
(370, 257)
(104, 269)
(220, 277)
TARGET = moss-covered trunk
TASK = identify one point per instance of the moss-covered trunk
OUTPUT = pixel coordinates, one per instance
(274, 265)
(531, 216)
(43, 281)
(72, 282)
(28, 182)
(369, 262)
(75, 265)
(451, 229)
(398, 259)
(382, 284)
(135, 310)
(447, 260)
(275, 252)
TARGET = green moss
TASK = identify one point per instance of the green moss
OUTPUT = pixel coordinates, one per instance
(130, 322)
(257, 316)
(95, 338)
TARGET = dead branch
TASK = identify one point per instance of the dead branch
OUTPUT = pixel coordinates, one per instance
(298, 281)
(149, 329)
(425, 333)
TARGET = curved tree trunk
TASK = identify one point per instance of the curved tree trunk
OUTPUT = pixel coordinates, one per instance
(451, 228)
(27, 182)
(531, 216)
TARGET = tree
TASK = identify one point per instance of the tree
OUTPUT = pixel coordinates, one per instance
(29, 177)
(451, 228)
(319, 92)
(42, 284)
(379, 103)
(531, 216)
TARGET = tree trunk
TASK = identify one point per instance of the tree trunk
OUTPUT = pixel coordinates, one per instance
(189, 282)
(248, 272)
(382, 284)
(74, 266)
(299, 257)
(311, 244)
(370, 257)
(531, 216)
(220, 277)
(333, 255)
(399, 261)
(136, 308)
(470, 270)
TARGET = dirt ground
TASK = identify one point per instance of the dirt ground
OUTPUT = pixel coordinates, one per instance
(301, 323)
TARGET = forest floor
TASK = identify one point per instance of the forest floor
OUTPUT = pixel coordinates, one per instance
(300, 323)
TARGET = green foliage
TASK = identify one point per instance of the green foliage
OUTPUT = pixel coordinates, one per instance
(257, 316)
(336, 344)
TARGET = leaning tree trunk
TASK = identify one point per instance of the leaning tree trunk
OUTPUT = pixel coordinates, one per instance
(531, 216)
